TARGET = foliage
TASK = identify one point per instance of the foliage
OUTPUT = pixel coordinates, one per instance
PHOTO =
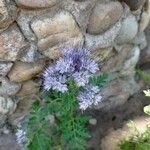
(138, 141)
(68, 129)
(144, 75)
(147, 93)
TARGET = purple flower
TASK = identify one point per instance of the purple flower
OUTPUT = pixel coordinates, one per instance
(90, 96)
(75, 64)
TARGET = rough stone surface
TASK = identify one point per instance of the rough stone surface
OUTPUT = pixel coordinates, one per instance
(29, 88)
(128, 30)
(104, 15)
(57, 31)
(103, 40)
(134, 4)
(145, 16)
(37, 3)
(30, 54)
(11, 43)
(25, 71)
(81, 10)
(7, 87)
(145, 53)
(8, 13)
(7, 105)
(5, 68)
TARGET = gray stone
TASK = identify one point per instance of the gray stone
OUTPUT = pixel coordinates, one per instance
(103, 40)
(129, 65)
(128, 30)
(145, 16)
(7, 105)
(24, 20)
(104, 16)
(11, 43)
(93, 121)
(5, 68)
(81, 10)
(140, 40)
(30, 54)
(7, 87)
(8, 13)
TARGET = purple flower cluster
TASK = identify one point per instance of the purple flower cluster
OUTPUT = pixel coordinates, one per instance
(75, 64)
(90, 96)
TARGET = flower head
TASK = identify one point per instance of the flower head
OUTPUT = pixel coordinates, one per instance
(75, 64)
(90, 96)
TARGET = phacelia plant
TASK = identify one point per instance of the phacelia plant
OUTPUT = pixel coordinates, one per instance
(70, 86)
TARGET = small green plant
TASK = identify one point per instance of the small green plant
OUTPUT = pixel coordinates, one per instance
(138, 141)
(58, 122)
(144, 75)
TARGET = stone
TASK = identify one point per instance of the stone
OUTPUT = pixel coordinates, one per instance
(128, 30)
(117, 92)
(5, 68)
(23, 108)
(130, 63)
(101, 54)
(7, 105)
(29, 88)
(25, 71)
(145, 16)
(103, 40)
(54, 32)
(81, 10)
(145, 53)
(11, 43)
(8, 87)
(134, 4)
(110, 141)
(104, 16)
(37, 3)
(30, 54)
(24, 21)
(140, 40)
(93, 121)
(8, 13)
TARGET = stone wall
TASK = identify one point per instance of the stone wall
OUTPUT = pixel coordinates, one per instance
(32, 32)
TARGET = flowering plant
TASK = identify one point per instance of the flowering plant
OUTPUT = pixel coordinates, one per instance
(70, 87)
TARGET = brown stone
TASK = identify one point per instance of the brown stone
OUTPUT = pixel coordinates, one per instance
(11, 43)
(37, 3)
(104, 16)
(29, 88)
(25, 71)
(56, 31)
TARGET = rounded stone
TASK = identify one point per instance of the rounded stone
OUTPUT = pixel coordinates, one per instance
(25, 71)
(128, 30)
(36, 3)
(104, 16)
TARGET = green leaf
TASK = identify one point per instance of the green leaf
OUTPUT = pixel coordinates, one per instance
(99, 80)
(147, 93)
(147, 109)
